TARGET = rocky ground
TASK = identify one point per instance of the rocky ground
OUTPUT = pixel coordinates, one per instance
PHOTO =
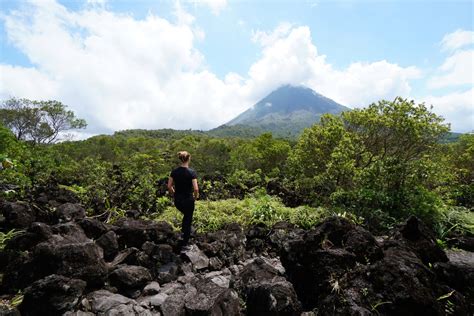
(67, 264)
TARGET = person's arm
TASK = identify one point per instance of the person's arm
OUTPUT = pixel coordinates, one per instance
(171, 186)
(196, 189)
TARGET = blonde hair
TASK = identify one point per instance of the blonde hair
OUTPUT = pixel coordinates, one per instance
(184, 156)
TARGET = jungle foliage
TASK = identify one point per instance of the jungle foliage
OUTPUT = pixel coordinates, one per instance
(378, 164)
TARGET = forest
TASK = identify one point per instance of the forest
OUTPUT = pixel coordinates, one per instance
(373, 167)
(378, 165)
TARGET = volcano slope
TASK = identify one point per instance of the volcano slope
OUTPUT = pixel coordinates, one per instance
(64, 263)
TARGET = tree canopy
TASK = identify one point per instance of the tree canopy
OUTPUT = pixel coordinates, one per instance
(40, 122)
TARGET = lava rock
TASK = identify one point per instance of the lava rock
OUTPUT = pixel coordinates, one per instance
(103, 302)
(92, 227)
(43, 230)
(272, 298)
(69, 212)
(312, 270)
(23, 241)
(7, 311)
(17, 214)
(18, 270)
(167, 272)
(108, 242)
(127, 278)
(458, 273)
(462, 242)
(133, 233)
(197, 258)
(151, 288)
(68, 233)
(211, 299)
(416, 235)
(52, 295)
(82, 260)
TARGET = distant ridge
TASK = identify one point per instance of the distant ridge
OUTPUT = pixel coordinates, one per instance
(285, 112)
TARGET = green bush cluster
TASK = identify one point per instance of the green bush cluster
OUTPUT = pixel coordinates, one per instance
(255, 209)
(382, 163)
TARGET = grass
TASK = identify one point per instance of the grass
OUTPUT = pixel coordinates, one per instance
(5, 237)
(214, 215)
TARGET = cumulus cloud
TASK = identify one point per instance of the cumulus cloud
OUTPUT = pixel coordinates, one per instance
(289, 56)
(120, 72)
(457, 69)
(455, 107)
(457, 39)
(116, 71)
(455, 73)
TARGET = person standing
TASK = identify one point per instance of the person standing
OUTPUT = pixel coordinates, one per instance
(183, 187)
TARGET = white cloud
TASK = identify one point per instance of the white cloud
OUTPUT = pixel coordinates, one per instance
(289, 56)
(456, 107)
(216, 6)
(120, 72)
(456, 72)
(32, 83)
(116, 71)
(457, 39)
(267, 38)
(457, 69)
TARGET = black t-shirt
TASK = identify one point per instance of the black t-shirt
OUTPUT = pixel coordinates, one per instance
(183, 180)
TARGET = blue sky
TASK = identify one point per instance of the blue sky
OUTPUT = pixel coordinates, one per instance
(213, 59)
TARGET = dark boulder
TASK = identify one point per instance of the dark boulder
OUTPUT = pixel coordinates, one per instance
(108, 242)
(70, 212)
(103, 302)
(458, 273)
(262, 286)
(167, 273)
(228, 244)
(211, 299)
(23, 241)
(17, 214)
(173, 300)
(68, 233)
(133, 233)
(418, 237)
(313, 260)
(255, 271)
(123, 256)
(127, 278)
(363, 244)
(462, 242)
(399, 284)
(92, 227)
(19, 271)
(83, 260)
(257, 237)
(52, 295)
(8, 311)
(53, 195)
(36, 233)
(43, 230)
(198, 259)
(272, 298)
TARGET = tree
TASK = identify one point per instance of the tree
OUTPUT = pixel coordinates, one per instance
(264, 152)
(38, 121)
(383, 157)
(462, 160)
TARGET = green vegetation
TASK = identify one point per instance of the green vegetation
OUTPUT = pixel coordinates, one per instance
(38, 121)
(4, 237)
(258, 208)
(376, 166)
(385, 157)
